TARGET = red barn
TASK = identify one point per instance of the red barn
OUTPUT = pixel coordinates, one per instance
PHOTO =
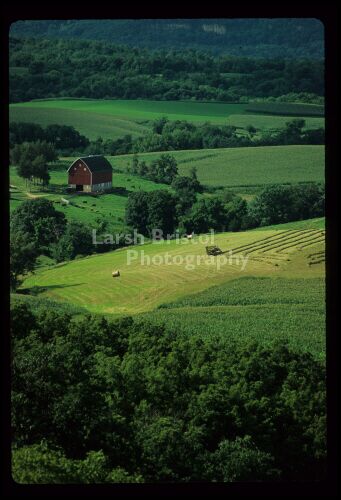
(90, 174)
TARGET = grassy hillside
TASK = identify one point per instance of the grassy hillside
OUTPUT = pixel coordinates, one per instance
(246, 166)
(111, 119)
(318, 223)
(83, 208)
(271, 286)
(92, 124)
(88, 282)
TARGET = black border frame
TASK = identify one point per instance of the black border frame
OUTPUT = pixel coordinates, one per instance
(327, 14)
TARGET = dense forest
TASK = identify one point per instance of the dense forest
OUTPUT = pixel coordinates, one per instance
(97, 401)
(42, 68)
(289, 38)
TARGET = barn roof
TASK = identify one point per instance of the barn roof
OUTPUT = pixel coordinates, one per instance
(96, 163)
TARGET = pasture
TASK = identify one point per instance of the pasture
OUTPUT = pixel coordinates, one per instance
(112, 119)
(83, 208)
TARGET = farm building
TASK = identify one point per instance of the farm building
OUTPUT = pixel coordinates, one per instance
(90, 174)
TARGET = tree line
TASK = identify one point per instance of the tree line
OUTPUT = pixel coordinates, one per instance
(99, 70)
(165, 135)
(38, 228)
(142, 403)
(64, 138)
(268, 38)
(183, 211)
(175, 135)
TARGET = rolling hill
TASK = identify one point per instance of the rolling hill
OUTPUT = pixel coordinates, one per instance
(242, 37)
(254, 166)
(270, 284)
(112, 119)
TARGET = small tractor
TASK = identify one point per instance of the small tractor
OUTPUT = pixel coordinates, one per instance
(213, 250)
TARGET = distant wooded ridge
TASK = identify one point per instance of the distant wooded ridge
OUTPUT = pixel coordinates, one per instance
(42, 67)
(268, 38)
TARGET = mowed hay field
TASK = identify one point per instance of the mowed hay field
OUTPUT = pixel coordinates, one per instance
(286, 255)
(254, 166)
(88, 281)
(111, 119)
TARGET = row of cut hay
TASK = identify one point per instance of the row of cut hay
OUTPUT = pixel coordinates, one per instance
(316, 262)
(281, 243)
(321, 255)
(270, 240)
(294, 241)
(272, 256)
(281, 235)
(316, 254)
(321, 240)
(273, 245)
(298, 241)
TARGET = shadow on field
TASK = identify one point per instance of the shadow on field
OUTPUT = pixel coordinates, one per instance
(36, 290)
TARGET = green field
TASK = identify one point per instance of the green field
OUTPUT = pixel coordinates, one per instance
(318, 223)
(247, 308)
(285, 108)
(91, 124)
(83, 208)
(255, 166)
(88, 281)
(245, 170)
(278, 292)
(269, 122)
(111, 119)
